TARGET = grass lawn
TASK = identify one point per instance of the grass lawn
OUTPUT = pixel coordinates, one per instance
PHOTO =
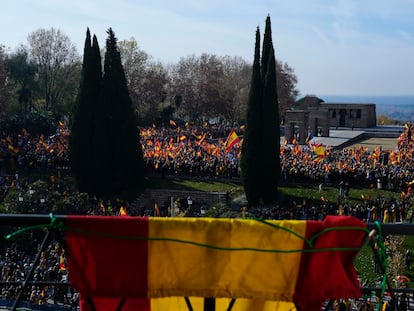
(287, 194)
(176, 183)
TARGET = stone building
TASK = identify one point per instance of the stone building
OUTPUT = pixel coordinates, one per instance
(351, 115)
(311, 115)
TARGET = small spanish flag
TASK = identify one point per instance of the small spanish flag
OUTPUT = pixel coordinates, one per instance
(231, 140)
(156, 210)
(62, 265)
(319, 150)
(122, 211)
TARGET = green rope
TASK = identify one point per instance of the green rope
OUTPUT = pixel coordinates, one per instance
(310, 241)
(261, 250)
(54, 224)
(382, 257)
(285, 229)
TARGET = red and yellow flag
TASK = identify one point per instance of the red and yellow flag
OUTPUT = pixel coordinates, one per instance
(156, 210)
(62, 264)
(319, 150)
(122, 211)
(155, 262)
(231, 140)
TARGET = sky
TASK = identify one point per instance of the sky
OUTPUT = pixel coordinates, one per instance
(335, 47)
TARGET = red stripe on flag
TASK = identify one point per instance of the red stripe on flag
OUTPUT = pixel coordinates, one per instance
(332, 270)
(107, 257)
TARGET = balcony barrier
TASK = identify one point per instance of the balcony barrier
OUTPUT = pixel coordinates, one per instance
(33, 221)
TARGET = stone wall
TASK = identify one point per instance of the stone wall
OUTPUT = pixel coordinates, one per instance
(163, 198)
(351, 115)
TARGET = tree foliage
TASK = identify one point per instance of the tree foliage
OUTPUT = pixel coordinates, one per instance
(5, 93)
(83, 121)
(58, 66)
(117, 152)
(211, 86)
(44, 76)
(22, 73)
(105, 149)
(270, 131)
(252, 141)
(260, 161)
(286, 87)
(237, 75)
(147, 80)
(385, 120)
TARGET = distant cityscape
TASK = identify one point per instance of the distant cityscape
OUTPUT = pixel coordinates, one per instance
(400, 108)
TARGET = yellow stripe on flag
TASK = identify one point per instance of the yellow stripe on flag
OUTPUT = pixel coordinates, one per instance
(176, 267)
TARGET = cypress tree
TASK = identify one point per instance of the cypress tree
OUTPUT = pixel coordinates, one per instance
(82, 125)
(271, 134)
(252, 140)
(260, 162)
(117, 147)
(270, 125)
(267, 43)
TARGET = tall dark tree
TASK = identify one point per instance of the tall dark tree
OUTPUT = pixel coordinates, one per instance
(260, 161)
(117, 149)
(82, 129)
(267, 45)
(271, 133)
(252, 142)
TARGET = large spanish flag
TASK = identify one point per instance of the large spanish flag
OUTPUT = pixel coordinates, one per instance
(137, 263)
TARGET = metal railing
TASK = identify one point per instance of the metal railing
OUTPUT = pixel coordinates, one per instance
(25, 220)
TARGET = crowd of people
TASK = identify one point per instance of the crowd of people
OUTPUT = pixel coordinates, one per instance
(201, 151)
(198, 151)
(16, 263)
